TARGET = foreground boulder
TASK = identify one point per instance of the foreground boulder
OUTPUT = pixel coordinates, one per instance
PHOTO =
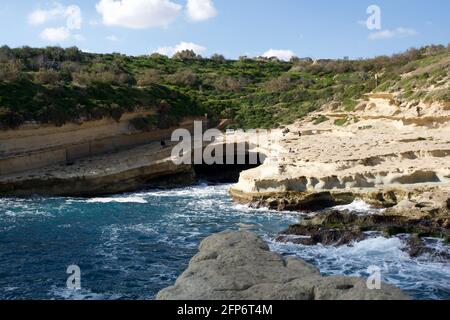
(240, 266)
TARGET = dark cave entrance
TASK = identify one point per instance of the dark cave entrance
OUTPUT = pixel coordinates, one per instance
(229, 170)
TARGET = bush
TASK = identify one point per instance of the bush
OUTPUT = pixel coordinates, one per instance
(144, 124)
(149, 77)
(84, 78)
(10, 71)
(228, 84)
(5, 54)
(10, 119)
(282, 83)
(320, 119)
(50, 77)
(187, 55)
(184, 77)
(218, 58)
(340, 122)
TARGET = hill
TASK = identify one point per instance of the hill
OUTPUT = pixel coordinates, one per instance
(55, 85)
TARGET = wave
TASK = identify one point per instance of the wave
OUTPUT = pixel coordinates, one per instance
(359, 206)
(130, 199)
(419, 277)
(82, 294)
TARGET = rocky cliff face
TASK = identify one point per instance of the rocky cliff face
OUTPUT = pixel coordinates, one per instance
(107, 174)
(388, 155)
(240, 266)
(88, 159)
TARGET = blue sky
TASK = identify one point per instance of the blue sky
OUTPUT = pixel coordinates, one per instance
(318, 29)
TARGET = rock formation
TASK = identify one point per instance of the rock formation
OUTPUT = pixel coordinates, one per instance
(383, 153)
(240, 266)
(88, 159)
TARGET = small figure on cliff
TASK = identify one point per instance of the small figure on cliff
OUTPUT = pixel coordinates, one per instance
(419, 111)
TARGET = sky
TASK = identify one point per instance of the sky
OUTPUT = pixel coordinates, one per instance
(282, 28)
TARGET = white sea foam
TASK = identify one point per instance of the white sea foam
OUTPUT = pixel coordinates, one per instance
(82, 294)
(131, 199)
(359, 206)
(422, 276)
(201, 190)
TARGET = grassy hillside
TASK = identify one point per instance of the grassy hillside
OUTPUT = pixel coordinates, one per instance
(55, 85)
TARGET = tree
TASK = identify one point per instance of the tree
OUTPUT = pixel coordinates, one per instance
(218, 58)
(73, 54)
(5, 54)
(187, 55)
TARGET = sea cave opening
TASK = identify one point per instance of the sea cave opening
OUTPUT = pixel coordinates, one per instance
(228, 169)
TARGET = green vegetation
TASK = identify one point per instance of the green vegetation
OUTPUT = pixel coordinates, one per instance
(55, 85)
(341, 122)
(320, 119)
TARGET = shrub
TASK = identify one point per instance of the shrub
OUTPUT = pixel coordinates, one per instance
(6, 54)
(10, 71)
(218, 57)
(144, 124)
(340, 122)
(50, 77)
(320, 119)
(184, 77)
(149, 77)
(282, 83)
(187, 55)
(116, 112)
(10, 119)
(228, 84)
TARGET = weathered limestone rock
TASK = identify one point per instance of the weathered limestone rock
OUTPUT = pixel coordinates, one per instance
(240, 266)
(335, 227)
(386, 155)
(123, 171)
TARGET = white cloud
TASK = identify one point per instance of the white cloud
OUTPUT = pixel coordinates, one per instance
(55, 34)
(395, 33)
(112, 38)
(138, 14)
(71, 13)
(285, 55)
(200, 10)
(170, 51)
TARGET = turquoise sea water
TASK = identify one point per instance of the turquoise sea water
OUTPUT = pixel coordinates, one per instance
(131, 246)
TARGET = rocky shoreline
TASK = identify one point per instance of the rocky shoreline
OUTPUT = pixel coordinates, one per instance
(334, 227)
(385, 155)
(240, 266)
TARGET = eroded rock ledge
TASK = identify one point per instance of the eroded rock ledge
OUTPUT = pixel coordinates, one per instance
(240, 266)
(389, 156)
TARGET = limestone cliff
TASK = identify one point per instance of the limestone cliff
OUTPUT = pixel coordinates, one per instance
(389, 155)
(93, 158)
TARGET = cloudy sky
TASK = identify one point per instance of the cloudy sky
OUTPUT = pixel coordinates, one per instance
(318, 28)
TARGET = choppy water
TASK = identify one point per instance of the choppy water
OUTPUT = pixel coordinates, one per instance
(131, 246)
